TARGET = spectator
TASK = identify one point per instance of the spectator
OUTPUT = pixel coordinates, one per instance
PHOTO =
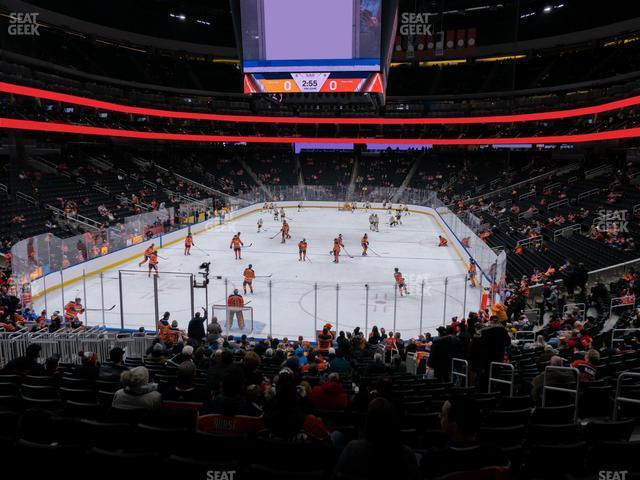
(587, 366)
(460, 420)
(220, 369)
(285, 419)
(330, 395)
(359, 459)
(443, 349)
(339, 364)
(185, 389)
(557, 378)
(195, 329)
(110, 371)
(27, 364)
(137, 393)
(232, 399)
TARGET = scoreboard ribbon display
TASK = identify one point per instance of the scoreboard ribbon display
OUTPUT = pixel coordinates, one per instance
(313, 82)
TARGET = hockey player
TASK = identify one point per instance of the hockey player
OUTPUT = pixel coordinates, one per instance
(365, 244)
(300, 206)
(472, 272)
(367, 206)
(187, 244)
(285, 232)
(248, 275)
(276, 214)
(442, 242)
(147, 253)
(354, 206)
(335, 251)
(265, 207)
(302, 250)
(153, 264)
(376, 222)
(235, 302)
(400, 282)
(371, 222)
(236, 245)
(282, 214)
(259, 224)
(393, 221)
(71, 312)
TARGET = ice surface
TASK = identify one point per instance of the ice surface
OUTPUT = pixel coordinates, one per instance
(297, 308)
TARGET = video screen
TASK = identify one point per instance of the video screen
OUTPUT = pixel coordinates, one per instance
(310, 35)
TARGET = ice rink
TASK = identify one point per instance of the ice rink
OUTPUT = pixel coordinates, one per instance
(291, 297)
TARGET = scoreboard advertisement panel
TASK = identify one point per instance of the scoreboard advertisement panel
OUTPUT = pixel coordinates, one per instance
(313, 82)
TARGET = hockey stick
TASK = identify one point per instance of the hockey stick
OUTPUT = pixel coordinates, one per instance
(99, 309)
(271, 238)
(247, 246)
(345, 251)
(163, 258)
(201, 250)
(264, 276)
(374, 252)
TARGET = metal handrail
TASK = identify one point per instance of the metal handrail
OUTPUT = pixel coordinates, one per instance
(574, 391)
(618, 399)
(493, 379)
(464, 375)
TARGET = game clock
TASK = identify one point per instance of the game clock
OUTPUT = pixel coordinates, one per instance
(313, 82)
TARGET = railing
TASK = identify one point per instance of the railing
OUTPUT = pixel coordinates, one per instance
(527, 214)
(529, 194)
(566, 231)
(101, 189)
(621, 302)
(588, 193)
(624, 331)
(598, 171)
(27, 198)
(79, 219)
(574, 391)
(619, 398)
(457, 374)
(557, 204)
(67, 343)
(525, 336)
(551, 186)
(502, 381)
(150, 184)
(526, 242)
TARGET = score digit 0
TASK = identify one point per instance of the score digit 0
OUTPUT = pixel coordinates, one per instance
(333, 85)
(287, 85)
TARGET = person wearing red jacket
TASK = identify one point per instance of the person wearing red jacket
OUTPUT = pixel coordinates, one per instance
(329, 395)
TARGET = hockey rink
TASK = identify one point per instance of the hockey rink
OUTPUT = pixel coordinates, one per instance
(290, 297)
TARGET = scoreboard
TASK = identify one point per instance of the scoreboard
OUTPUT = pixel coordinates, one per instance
(306, 46)
(313, 82)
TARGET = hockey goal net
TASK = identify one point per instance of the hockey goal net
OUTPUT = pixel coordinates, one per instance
(234, 319)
